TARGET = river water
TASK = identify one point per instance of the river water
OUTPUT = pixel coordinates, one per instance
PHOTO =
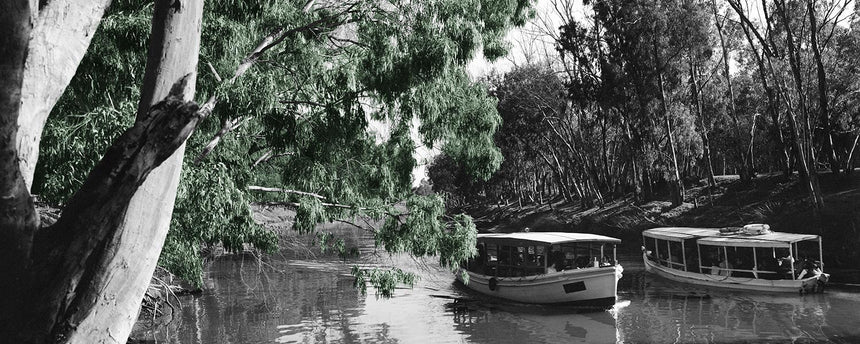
(312, 300)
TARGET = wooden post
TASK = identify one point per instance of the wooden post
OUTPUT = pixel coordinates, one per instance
(791, 261)
(684, 255)
(614, 258)
(755, 264)
(699, 251)
(669, 261)
(820, 254)
(601, 251)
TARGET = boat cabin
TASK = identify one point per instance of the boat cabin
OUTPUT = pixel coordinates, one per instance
(537, 253)
(734, 252)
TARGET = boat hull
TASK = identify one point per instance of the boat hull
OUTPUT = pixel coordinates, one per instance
(807, 285)
(585, 286)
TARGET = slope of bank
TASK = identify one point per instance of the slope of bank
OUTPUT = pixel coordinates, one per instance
(772, 199)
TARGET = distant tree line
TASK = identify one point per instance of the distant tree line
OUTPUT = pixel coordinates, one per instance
(656, 95)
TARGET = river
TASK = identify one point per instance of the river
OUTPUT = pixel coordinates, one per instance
(312, 300)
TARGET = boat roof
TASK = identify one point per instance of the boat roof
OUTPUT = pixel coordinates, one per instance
(680, 233)
(545, 238)
(712, 236)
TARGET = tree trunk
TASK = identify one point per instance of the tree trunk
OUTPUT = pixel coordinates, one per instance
(694, 86)
(803, 146)
(772, 99)
(18, 219)
(822, 89)
(676, 186)
(81, 280)
(849, 166)
(745, 171)
(61, 35)
(173, 51)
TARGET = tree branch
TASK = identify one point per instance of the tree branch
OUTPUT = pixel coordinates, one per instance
(287, 191)
(276, 37)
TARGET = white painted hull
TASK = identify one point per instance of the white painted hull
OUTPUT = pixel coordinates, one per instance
(743, 283)
(579, 285)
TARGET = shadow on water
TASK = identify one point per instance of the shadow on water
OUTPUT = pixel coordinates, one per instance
(289, 300)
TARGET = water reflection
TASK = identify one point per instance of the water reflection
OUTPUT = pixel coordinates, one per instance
(665, 311)
(492, 320)
(313, 301)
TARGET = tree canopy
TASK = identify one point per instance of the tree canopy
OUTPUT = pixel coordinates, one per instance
(654, 96)
(294, 92)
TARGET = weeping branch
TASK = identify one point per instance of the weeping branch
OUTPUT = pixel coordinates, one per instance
(277, 36)
(286, 191)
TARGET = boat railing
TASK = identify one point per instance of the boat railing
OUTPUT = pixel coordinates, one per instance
(672, 264)
(754, 272)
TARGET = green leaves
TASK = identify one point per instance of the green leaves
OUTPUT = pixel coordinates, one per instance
(335, 109)
(384, 281)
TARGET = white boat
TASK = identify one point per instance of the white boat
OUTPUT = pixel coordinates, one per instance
(545, 267)
(748, 258)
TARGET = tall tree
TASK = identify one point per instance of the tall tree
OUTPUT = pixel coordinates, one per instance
(58, 276)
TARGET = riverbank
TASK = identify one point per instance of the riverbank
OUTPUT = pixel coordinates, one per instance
(772, 199)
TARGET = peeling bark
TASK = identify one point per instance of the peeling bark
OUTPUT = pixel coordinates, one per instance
(81, 279)
(18, 221)
(132, 252)
(61, 35)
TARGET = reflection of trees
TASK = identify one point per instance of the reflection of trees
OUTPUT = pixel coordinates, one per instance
(682, 314)
(263, 302)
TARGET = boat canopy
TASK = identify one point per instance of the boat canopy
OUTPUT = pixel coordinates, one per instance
(680, 233)
(775, 239)
(711, 236)
(543, 238)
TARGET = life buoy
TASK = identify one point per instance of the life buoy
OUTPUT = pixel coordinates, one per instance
(757, 229)
(494, 283)
(730, 230)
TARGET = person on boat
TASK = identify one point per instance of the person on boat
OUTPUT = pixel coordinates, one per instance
(648, 253)
(810, 269)
(725, 268)
(555, 261)
(784, 263)
(715, 269)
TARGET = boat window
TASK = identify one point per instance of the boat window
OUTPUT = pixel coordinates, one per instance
(768, 265)
(479, 261)
(808, 250)
(518, 261)
(582, 255)
(746, 262)
(492, 260)
(605, 252)
(650, 248)
(692, 255)
(676, 255)
(713, 260)
(742, 262)
(492, 253)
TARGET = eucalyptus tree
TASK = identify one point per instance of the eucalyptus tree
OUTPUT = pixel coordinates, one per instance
(327, 68)
(531, 100)
(627, 61)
